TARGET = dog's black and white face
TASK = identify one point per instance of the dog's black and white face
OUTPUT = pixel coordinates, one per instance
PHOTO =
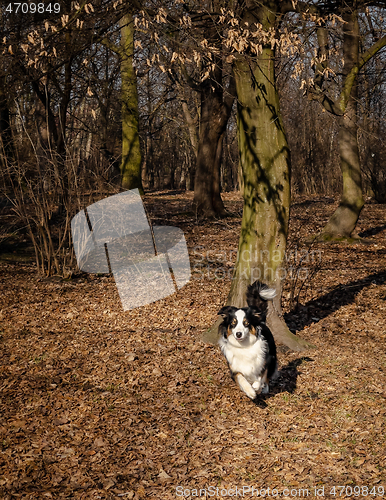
(240, 324)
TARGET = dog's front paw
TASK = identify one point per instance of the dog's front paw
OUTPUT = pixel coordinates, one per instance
(250, 392)
(245, 386)
(257, 386)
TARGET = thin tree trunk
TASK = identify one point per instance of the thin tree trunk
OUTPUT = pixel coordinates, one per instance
(216, 179)
(213, 120)
(343, 221)
(6, 144)
(66, 95)
(192, 126)
(131, 152)
(216, 106)
(147, 167)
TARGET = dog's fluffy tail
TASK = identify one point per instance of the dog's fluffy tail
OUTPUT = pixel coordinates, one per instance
(258, 294)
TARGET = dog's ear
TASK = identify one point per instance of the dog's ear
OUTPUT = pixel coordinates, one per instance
(226, 310)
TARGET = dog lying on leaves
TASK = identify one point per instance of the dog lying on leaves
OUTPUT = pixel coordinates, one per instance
(247, 343)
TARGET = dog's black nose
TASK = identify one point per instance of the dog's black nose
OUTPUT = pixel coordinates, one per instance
(238, 335)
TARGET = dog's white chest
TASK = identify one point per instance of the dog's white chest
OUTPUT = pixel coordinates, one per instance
(248, 360)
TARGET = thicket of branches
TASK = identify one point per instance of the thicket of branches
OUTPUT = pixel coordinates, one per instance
(61, 108)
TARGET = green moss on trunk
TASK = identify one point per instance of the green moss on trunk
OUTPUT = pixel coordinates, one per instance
(131, 152)
(265, 162)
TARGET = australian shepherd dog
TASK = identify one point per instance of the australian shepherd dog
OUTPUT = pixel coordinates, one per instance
(247, 343)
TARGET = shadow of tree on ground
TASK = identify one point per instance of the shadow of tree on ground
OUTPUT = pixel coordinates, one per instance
(321, 307)
(372, 232)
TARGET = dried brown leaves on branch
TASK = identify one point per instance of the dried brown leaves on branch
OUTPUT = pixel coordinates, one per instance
(182, 35)
(35, 39)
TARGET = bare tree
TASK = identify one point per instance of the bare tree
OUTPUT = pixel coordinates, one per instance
(342, 223)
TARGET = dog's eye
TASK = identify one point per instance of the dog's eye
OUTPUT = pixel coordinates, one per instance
(234, 322)
(245, 323)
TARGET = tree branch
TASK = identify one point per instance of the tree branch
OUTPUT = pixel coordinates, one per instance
(351, 77)
(316, 94)
(111, 46)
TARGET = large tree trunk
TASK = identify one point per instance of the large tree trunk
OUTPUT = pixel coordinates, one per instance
(131, 152)
(265, 163)
(342, 223)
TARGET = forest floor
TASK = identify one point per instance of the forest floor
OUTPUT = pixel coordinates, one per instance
(97, 403)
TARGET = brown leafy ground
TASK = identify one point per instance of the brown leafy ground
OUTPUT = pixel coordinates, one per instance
(101, 403)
